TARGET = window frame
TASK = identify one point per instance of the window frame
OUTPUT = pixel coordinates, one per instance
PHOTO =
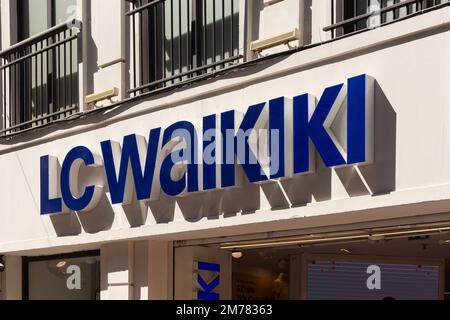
(51, 19)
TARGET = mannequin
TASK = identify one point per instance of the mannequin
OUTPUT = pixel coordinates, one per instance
(280, 287)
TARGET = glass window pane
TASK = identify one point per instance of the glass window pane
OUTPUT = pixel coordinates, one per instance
(32, 17)
(64, 279)
(65, 10)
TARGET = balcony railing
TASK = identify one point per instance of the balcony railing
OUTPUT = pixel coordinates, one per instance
(39, 79)
(174, 41)
(349, 16)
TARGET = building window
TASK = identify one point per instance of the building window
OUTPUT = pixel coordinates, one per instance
(173, 41)
(36, 16)
(64, 277)
(39, 74)
(353, 15)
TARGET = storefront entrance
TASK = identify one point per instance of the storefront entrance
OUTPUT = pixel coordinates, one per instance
(390, 265)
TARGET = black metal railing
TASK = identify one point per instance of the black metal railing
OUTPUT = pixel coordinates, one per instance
(39, 79)
(350, 16)
(173, 41)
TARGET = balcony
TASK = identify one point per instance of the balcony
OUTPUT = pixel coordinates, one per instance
(39, 80)
(174, 41)
(351, 16)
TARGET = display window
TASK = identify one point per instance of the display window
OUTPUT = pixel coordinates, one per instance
(62, 277)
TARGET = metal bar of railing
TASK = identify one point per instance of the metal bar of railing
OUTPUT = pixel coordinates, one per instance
(141, 48)
(232, 27)
(143, 7)
(30, 122)
(64, 92)
(134, 51)
(38, 52)
(349, 21)
(4, 96)
(71, 71)
(35, 76)
(43, 35)
(154, 45)
(205, 34)
(163, 31)
(183, 74)
(188, 40)
(223, 31)
(214, 32)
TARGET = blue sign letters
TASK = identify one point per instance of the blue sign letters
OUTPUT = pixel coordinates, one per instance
(289, 133)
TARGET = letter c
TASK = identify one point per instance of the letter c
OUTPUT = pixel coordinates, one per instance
(69, 180)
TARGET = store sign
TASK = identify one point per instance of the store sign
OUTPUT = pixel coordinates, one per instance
(273, 140)
(206, 289)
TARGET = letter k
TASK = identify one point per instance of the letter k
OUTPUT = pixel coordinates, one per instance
(208, 288)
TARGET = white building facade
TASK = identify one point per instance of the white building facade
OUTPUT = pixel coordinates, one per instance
(93, 206)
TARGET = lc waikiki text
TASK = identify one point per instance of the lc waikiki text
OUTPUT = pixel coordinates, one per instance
(183, 159)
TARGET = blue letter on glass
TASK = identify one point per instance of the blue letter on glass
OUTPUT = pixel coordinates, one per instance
(208, 288)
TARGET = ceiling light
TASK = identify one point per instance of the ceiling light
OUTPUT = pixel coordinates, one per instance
(281, 242)
(237, 254)
(373, 236)
(412, 232)
(376, 238)
(61, 264)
